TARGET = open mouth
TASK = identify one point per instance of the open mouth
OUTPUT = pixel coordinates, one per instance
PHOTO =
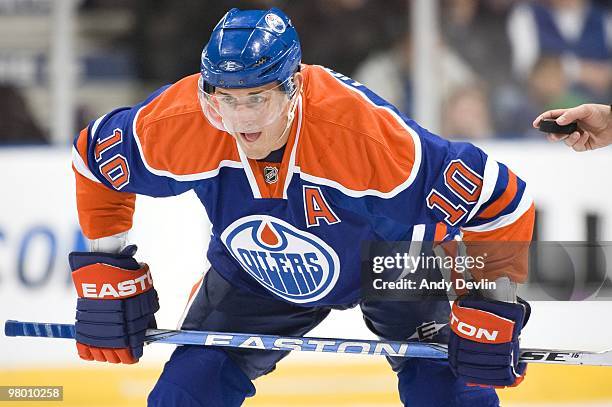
(251, 137)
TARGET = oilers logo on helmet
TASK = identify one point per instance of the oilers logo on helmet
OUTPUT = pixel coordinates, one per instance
(295, 265)
(231, 66)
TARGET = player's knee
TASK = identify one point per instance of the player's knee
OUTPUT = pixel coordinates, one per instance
(196, 376)
(426, 382)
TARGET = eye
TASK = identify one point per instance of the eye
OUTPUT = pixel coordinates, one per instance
(255, 100)
(227, 100)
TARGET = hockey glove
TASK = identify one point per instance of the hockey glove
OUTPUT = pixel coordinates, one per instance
(116, 305)
(483, 347)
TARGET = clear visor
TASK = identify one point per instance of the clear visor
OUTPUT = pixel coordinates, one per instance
(242, 111)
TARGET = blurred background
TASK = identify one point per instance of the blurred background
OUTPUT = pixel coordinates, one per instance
(477, 70)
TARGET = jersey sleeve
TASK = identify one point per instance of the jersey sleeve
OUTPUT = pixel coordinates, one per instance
(109, 172)
(465, 188)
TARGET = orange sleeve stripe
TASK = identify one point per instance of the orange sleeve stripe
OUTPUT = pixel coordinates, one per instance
(440, 232)
(81, 145)
(506, 248)
(102, 211)
(503, 201)
(195, 288)
(520, 230)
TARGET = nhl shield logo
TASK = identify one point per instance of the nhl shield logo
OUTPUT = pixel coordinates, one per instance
(271, 175)
(292, 264)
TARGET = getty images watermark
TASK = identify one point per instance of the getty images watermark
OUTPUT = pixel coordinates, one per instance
(547, 271)
(418, 270)
(409, 265)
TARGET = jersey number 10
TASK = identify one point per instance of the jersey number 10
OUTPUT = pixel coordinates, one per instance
(115, 169)
(462, 182)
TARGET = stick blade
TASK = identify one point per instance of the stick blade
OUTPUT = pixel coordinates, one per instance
(567, 357)
(602, 358)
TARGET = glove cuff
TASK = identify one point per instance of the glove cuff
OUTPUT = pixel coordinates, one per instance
(480, 326)
(102, 281)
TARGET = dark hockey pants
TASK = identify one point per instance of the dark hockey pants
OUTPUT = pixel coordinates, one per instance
(197, 376)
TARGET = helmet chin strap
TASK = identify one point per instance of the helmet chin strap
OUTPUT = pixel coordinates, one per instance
(290, 114)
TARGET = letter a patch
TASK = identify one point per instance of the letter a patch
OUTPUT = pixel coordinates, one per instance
(316, 208)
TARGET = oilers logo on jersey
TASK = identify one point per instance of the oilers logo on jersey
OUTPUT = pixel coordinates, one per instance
(293, 264)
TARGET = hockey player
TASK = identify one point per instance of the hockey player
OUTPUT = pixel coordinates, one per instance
(296, 166)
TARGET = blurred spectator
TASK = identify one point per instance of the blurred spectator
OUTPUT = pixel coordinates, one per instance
(340, 34)
(474, 30)
(17, 125)
(504, 59)
(388, 73)
(547, 87)
(466, 114)
(579, 31)
(595, 80)
(167, 39)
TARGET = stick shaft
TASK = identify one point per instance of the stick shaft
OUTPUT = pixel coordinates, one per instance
(309, 344)
(248, 341)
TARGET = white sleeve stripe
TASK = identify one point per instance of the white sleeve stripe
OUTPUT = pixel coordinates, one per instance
(523, 206)
(350, 192)
(418, 233)
(94, 128)
(80, 166)
(491, 173)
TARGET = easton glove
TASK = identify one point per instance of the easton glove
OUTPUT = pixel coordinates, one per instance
(483, 347)
(116, 305)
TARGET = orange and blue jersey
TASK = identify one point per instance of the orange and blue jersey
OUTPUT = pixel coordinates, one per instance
(354, 169)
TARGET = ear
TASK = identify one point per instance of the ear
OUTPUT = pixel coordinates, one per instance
(298, 80)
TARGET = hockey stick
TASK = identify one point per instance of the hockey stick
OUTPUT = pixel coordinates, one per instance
(311, 344)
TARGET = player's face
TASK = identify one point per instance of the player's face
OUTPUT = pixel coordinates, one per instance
(257, 117)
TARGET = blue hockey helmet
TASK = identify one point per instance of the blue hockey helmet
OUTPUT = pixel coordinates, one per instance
(250, 48)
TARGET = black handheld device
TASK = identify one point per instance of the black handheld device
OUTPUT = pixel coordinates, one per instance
(551, 126)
